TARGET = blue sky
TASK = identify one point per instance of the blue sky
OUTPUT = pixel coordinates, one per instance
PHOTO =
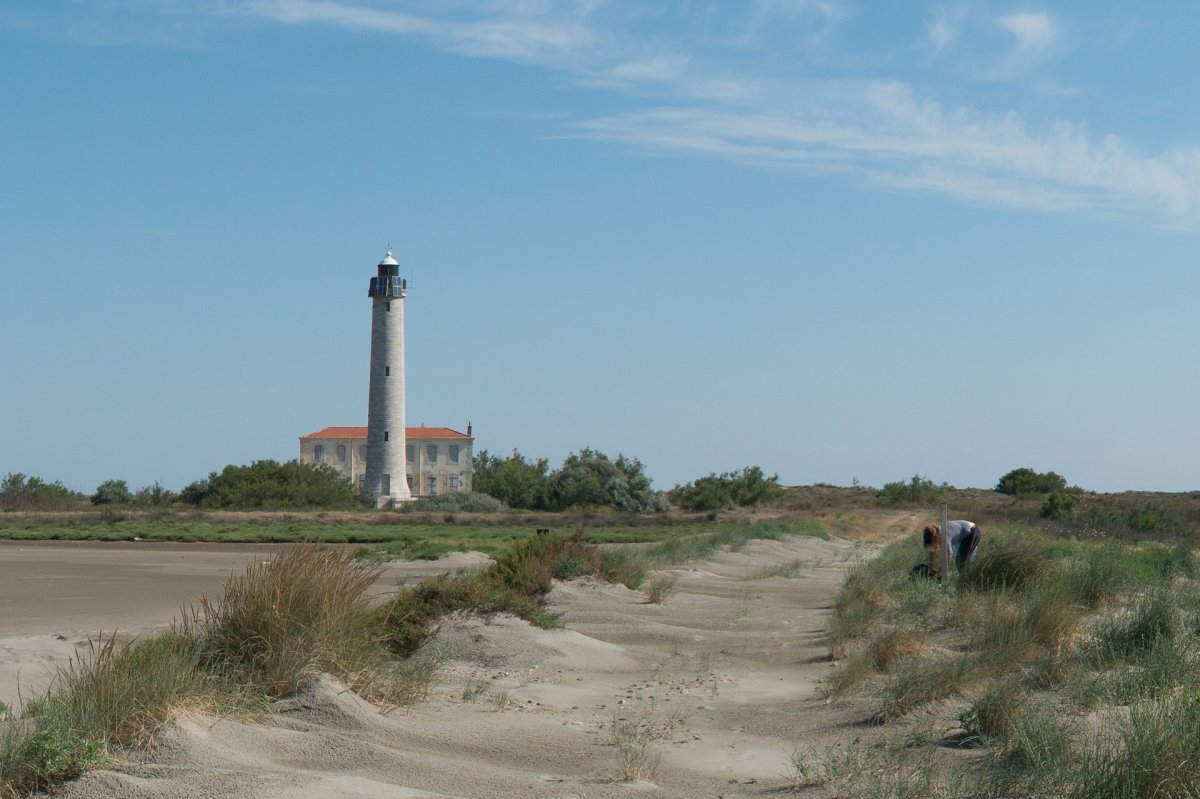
(839, 240)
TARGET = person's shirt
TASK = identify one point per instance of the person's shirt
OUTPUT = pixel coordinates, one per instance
(956, 531)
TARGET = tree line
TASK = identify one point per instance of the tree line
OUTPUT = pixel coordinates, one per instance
(587, 478)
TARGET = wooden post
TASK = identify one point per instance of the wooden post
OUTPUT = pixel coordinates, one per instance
(944, 544)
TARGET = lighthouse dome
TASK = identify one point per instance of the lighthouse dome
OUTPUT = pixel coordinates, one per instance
(388, 260)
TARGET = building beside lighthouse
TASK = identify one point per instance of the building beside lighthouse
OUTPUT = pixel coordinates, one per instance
(394, 462)
(437, 460)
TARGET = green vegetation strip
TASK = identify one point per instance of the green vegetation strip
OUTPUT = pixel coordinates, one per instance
(1075, 664)
(391, 535)
(281, 622)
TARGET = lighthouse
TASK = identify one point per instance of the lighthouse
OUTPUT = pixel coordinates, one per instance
(385, 476)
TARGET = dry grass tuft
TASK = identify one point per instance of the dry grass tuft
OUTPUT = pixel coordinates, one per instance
(287, 618)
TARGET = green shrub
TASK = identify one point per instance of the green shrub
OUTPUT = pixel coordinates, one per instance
(1178, 561)
(514, 481)
(1027, 481)
(270, 485)
(731, 489)
(456, 502)
(1059, 506)
(1152, 518)
(918, 491)
(154, 496)
(517, 582)
(112, 492)
(18, 492)
(588, 477)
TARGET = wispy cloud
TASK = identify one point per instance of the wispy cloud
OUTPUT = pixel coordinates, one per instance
(526, 32)
(883, 132)
(1034, 31)
(945, 26)
(887, 135)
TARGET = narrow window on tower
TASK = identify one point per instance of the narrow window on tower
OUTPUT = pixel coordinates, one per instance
(385, 435)
(387, 371)
(389, 306)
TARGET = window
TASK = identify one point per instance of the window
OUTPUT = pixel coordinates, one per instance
(454, 453)
(387, 371)
(453, 482)
(385, 435)
(389, 306)
(409, 453)
(431, 452)
(431, 484)
(386, 487)
(341, 453)
(410, 485)
(319, 453)
(362, 452)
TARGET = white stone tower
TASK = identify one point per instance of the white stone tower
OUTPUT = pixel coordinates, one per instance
(385, 477)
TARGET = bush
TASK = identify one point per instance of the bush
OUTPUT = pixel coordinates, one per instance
(516, 482)
(1059, 506)
(457, 502)
(517, 582)
(1027, 481)
(745, 488)
(270, 485)
(154, 496)
(588, 477)
(18, 492)
(112, 492)
(1152, 518)
(918, 491)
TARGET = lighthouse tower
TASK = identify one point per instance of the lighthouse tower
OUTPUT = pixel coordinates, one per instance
(385, 477)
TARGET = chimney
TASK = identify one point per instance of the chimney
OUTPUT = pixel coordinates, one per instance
(468, 428)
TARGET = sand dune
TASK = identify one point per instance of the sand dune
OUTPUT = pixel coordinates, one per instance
(720, 681)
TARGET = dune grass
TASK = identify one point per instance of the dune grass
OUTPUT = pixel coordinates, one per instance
(1025, 642)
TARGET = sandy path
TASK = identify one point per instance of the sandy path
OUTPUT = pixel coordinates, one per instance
(721, 682)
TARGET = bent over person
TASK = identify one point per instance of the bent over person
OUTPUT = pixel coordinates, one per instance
(963, 538)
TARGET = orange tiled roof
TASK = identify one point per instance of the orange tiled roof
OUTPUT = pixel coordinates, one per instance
(409, 432)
